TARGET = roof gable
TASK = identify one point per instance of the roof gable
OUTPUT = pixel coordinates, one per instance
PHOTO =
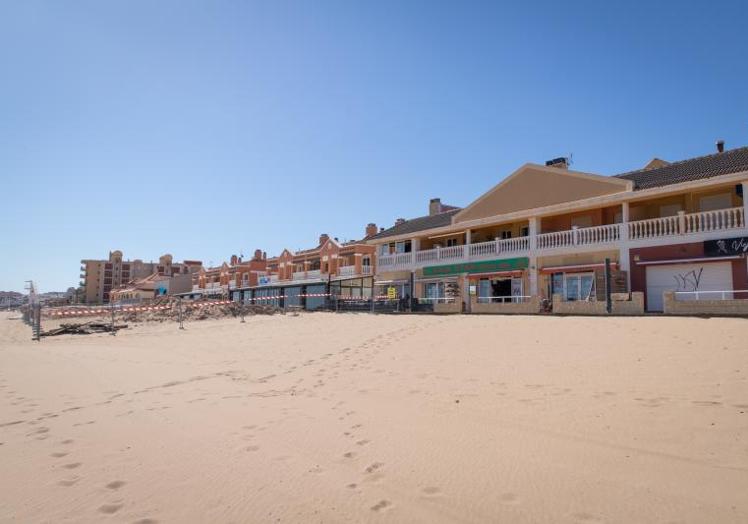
(533, 186)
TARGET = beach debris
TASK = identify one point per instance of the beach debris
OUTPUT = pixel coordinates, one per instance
(85, 328)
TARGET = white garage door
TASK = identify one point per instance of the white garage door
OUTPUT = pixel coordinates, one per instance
(711, 276)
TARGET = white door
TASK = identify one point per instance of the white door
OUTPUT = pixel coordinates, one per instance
(710, 276)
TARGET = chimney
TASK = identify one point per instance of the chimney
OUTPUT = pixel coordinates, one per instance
(371, 229)
(258, 255)
(560, 162)
(720, 146)
(399, 221)
(435, 206)
(234, 259)
(264, 255)
(323, 238)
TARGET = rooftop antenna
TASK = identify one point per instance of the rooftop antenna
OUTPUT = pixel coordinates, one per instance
(571, 159)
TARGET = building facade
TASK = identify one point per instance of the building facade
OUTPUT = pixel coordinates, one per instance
(100, 277)
(545, 233)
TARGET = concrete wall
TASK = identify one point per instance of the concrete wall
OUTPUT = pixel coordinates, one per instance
(442, 307)
(734, 307)
(530, 307)
(621, 305)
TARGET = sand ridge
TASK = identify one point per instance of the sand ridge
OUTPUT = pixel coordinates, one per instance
(357, 417)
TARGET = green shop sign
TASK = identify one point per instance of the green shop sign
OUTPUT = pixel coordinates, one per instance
(484, 266)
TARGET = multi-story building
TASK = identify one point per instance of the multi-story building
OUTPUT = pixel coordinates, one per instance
(546, 232)
(344, 269)
(100, 277)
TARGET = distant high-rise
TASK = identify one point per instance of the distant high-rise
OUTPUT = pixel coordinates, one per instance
(99, 277)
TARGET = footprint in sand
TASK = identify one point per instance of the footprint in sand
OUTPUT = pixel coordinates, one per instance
(350, 454)
(362, 442)
(374, 467)
(68, 482)
(109, 509)
(59, 454)
(73, 465)
(381, 505)
(352, 486)
(146, 521)
(431, 491)
(252, 448)
(509, 498)
(116, 484)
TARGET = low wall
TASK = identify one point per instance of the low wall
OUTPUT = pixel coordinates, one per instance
(621, 304)
(529, 307)
(730, 307)
(445, 307)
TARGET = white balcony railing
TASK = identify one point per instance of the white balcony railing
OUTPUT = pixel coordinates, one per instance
(348, 271)
(687, 224)
(498, 247)
(640, 230)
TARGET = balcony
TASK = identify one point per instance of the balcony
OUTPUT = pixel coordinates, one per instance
(687, 224)
(350, 271)
(702, 226)
(482, 250)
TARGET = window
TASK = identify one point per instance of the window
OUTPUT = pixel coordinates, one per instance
(366, 261)
(524, 231)
(506, 234)
(451, 242)
(582, 221)
(714, 202)
(402, 247)
(670, 210)
(574, 286)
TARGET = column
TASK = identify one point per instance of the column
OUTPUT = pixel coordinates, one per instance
(533, 262)
(533, 275)
(745, 202)
(466, 253)
(624, 255)
(533, 231)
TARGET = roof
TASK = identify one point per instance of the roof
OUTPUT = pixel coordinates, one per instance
(418, 224)
(732, 161)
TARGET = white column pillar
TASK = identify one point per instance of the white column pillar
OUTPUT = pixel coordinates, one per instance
(745, 202)
(533, 228)
(533, 275)
(466, 249)
(624, 254)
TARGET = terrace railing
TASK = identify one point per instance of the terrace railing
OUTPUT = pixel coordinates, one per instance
(687, 224)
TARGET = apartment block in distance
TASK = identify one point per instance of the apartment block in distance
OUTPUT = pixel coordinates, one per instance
(100, 277)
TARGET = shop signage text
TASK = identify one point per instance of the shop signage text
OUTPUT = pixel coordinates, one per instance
(484, 266)
(726, 247)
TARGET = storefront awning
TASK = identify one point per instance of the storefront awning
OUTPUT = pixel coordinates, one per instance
(684, 260)
(500, 274)
(575, 268)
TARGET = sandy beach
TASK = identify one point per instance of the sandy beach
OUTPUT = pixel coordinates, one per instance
(375, 418)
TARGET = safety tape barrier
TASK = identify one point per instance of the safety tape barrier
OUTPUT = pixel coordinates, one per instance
(137, 309)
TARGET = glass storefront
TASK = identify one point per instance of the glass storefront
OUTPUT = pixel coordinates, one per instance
(574, 286)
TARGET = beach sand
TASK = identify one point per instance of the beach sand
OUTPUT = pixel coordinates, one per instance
(378, 418)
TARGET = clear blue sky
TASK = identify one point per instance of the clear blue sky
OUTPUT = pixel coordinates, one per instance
(204, 129)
